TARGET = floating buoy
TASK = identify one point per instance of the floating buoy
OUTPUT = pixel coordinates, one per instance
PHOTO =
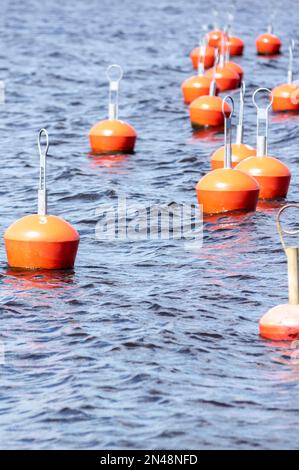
(226, 190)
(268, 43)
(208, 59)
(198, 85)
(235, 46)
(206, 111)
(113, 135)
(236, 68)
(281, 323)
(214, 37)
(286, 96)
(41, 241)
(233, 65)
(240, 151)
(227, 78)
(273, 176)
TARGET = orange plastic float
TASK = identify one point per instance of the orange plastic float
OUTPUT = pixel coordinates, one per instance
(240, 151)
(214, 37)
(227, 78)
(233, 65)
(281, 323)
(206, 111)
(235, 46)
(113, 135)
(286, 96)
(236, 68)
(273, 176)
(226, 190)
(41, 241)
(268, 43)
(208, 59)
(198, 85)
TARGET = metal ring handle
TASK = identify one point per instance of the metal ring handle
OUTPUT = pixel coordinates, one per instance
(114, 69)
(45, 133)
(280, 229)
(262, 90)
(225, 99)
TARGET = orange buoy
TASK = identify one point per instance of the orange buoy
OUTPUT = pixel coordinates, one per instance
(236, 68)
(233, 65)
(227, 78)
(273, 176)
(41, 241)
(206, 111)
(226, 190)
(209, 57)
(240, 151)
(268, 43)
(235, 46)
(286, 96)
(281, 323)
(214, 37)
(198, 85)
(195, 86)
(113, 135)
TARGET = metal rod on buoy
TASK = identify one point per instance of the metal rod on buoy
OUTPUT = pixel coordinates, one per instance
(202, 47)
(227, 132)
(291, 58)
(292, 257)
(239, 137)
(213, 86)
(293, 281)
(114, 75)
(262, 123)
(42, 189)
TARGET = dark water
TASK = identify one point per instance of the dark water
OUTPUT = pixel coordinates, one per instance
(144, 345)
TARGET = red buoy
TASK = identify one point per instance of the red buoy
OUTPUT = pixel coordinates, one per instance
(273, 176)
(226, 76)
(226, 190)
(214, 37)
(268, 43)
(235, 46)
(113, 135)
(41, 241)
(286, 96)
(198, 85)
(240, 151)
(281, 323)
(206, 111)
(208, 59)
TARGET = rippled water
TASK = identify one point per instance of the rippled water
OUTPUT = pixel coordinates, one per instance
(144, 345)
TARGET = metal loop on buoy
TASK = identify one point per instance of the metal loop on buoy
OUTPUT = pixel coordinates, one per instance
(228, 97)
(280, 229)
(42, 189)
(262, 121)
(114, 74)
(227, 131)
